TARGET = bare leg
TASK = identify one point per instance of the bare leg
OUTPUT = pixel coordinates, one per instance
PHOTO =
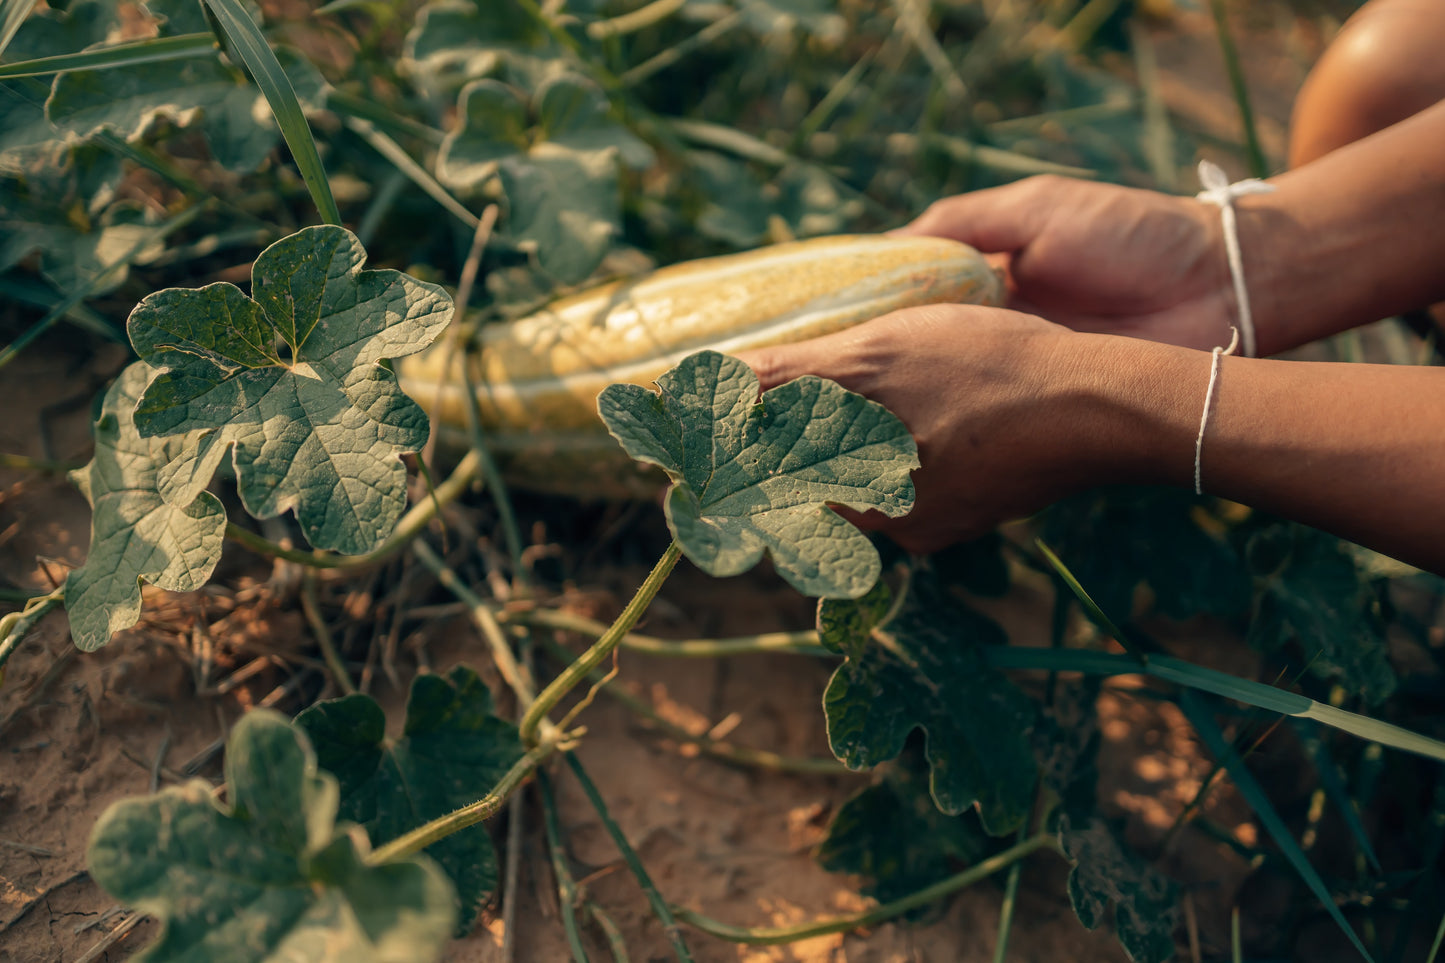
(1387, 63)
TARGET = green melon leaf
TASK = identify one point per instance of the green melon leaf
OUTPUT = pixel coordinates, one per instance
(293, 380)
(752, 475)
(135, 533)
(1312, 593)
(1115, 541)
(456, 41)
(268, 877)
(922, 667)
(451, 753)
(28, 144)
(557, 155)
(892, 834)
(1146, 906)
(131, 100)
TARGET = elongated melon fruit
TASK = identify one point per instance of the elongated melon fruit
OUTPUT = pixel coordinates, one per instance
(538, 378)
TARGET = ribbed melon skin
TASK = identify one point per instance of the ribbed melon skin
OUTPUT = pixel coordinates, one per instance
(538, 377)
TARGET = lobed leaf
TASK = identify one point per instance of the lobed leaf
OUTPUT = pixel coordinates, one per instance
(135, 533)
(922, 667)
(453, 750)
(1105, 872)
(131, 100)
(456, 41)
(753, 475)
(557, 155)
(28, 144)
(892, 834)
(291, 380)
(267, 878)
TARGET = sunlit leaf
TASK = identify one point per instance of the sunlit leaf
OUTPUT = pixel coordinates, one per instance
(135, 534)
(293, 380)
(266, 877)
(131, 100)
(451, 752)
(756, 475)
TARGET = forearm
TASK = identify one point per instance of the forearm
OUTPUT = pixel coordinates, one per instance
(1358, 450)
(1350, 238)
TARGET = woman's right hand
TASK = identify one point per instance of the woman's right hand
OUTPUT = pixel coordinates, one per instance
(1098, 257)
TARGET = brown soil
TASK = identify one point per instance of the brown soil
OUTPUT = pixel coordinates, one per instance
(79, 731)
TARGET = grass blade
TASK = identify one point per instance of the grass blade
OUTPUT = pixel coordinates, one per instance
(1435, 946)
(243, 37)
(12, 15)
(41, 295)
(566, 885)
(1090, 606)
(1199, 716)
(153, 50)
(1258, 166)
(629, 855)
(1191, 676)
(1334, 787)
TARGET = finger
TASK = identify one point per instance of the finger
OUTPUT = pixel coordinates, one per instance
(997, 220)
(826, 356)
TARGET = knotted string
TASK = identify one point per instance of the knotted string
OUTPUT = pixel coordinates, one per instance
(1219, 191)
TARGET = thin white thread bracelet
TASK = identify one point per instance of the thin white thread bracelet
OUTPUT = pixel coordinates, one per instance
(1209, 404)
(1219, 191)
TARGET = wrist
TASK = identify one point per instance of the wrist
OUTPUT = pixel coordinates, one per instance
(1132, 410)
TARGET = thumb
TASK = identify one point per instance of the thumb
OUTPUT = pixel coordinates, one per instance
(781, 363)
(997, 220)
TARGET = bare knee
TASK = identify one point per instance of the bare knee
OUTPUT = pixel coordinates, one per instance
(1385, 65)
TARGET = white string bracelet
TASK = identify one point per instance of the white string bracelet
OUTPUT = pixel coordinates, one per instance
(1218, 190)
(1209, 404)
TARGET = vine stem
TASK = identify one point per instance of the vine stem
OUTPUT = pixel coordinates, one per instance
(599, 650)
(411, 525)
(716, 748)
(14, 626)
(312, 609)
(772, 936)
(639, 19)
(795, 643)
(484, 808)
(629, 856)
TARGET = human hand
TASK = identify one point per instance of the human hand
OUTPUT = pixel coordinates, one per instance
(1000, 403)
(1098, 257)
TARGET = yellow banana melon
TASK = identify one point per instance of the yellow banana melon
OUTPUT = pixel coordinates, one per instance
(537, 378)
